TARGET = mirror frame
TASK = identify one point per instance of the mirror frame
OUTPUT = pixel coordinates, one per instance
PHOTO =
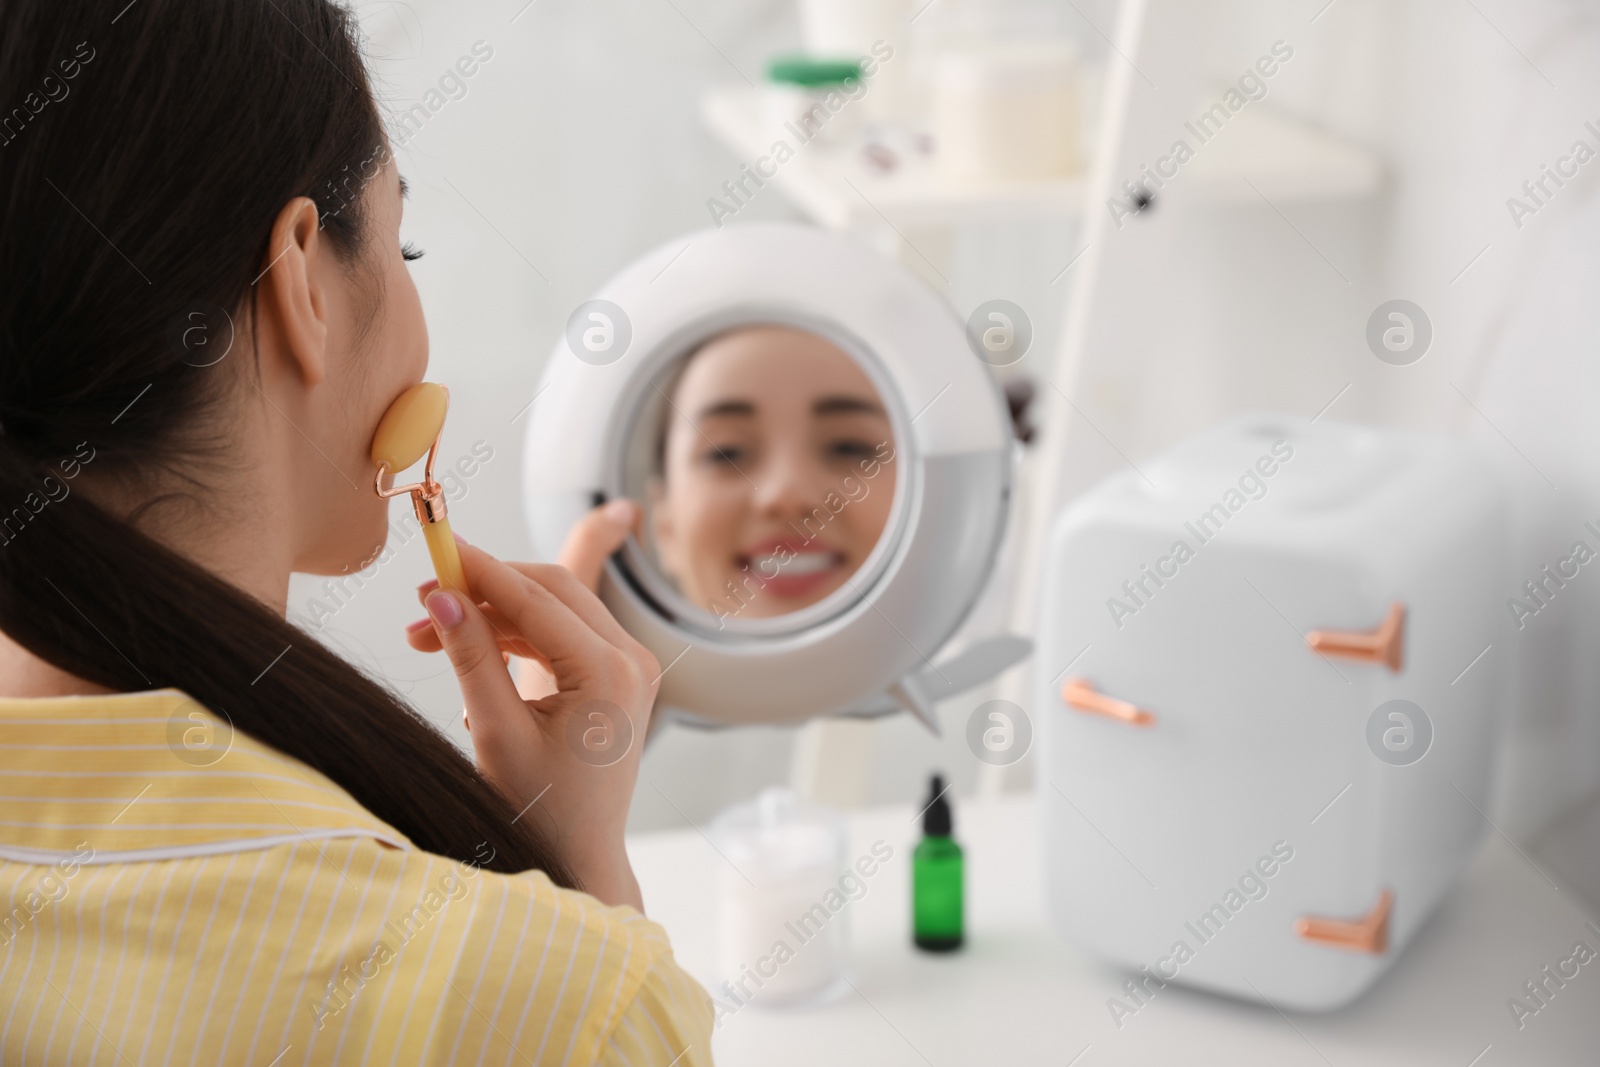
(953, 489)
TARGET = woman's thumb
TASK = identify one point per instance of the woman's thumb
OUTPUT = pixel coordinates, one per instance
(471, 643)
(596, 536)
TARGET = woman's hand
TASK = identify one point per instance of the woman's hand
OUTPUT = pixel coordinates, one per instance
(592, 541)
(569, 758)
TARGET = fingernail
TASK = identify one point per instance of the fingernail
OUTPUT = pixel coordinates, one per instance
(428, 586)
(459, 539)
(444, 610)
(620, 511)
(418, 626)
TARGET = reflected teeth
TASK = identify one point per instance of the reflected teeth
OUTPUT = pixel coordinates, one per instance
(799, 564)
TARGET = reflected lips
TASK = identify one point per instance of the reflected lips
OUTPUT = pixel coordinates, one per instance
(791, 567)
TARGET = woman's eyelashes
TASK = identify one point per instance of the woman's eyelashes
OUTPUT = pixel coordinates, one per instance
(851, 448)
(410, 252)
(728, 454)
(848, 450)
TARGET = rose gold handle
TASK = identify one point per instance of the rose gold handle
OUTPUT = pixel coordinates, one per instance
(1080, 694)
(1384, 645)
(1369, 934)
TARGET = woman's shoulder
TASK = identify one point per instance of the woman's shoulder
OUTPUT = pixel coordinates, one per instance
(496, 905)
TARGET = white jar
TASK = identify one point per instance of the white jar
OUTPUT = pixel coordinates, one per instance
(777, 940)
(859, 28)
(1006, 111)
(827, 114)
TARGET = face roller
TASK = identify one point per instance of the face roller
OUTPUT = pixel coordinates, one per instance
(413, 425)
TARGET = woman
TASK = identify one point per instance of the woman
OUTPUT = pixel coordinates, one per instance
(775, 472)
(218, 841)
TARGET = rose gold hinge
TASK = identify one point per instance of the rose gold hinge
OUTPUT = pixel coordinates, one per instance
(1080, 694)
(1385, 645)
(1370, 934)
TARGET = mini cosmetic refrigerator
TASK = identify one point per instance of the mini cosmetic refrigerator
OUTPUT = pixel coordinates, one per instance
(1266, 701)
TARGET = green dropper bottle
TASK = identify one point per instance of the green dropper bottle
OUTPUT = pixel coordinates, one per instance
(937, 874)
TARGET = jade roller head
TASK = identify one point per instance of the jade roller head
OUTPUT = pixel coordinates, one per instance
(412, 426)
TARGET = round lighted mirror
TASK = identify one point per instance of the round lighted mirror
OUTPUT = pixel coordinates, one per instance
(824, 466)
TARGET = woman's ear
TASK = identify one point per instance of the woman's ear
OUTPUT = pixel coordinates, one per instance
(292, 305)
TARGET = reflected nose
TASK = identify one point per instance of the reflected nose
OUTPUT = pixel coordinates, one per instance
(789, 485)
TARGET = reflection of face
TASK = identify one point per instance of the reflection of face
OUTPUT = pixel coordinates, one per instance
(777, 476)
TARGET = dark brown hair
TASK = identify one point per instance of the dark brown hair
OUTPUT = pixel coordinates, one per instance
(144, 156)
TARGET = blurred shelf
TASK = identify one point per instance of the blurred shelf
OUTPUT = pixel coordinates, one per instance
(835, 186)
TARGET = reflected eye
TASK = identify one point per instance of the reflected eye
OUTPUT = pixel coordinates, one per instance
(410, 252)
(851, 448)
(728, 455)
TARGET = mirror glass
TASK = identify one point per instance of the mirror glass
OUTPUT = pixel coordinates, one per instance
(765, 461)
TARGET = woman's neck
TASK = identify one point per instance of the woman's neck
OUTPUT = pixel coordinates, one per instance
(22, 674)
(244, 550)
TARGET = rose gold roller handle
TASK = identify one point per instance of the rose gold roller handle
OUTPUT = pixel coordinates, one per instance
(1081, 695)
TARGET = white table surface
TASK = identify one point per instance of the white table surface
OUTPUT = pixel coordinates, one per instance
(1019, 994)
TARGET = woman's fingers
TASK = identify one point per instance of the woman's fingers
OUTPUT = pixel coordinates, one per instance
(592, 541)
(421, 635)
(542, 613)
(486, 686)
(583, 602)
(541, 617)
(596, 536)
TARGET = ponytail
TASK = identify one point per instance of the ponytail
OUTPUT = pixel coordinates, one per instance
(73, 576)
(203, 120)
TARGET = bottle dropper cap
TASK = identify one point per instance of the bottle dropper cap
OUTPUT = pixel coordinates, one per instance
(936, 817)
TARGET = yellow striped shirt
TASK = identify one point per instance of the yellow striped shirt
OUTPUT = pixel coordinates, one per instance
(178, 893)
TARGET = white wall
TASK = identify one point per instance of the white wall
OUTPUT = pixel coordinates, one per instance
(1517, 331)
